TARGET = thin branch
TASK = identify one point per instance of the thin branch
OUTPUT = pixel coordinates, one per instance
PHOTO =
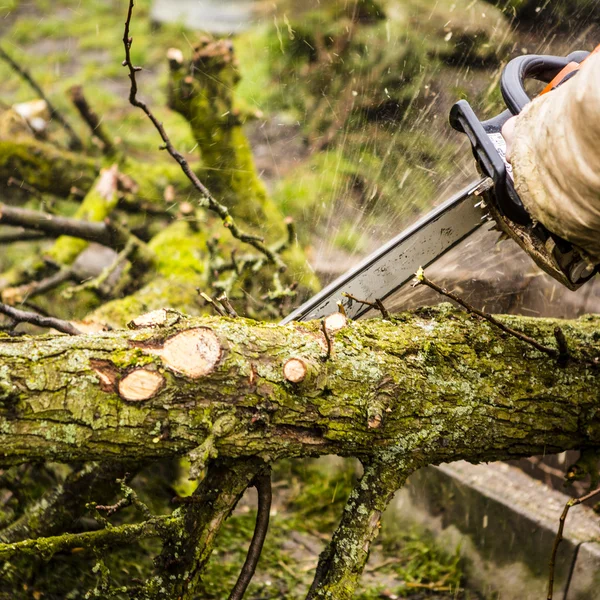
(21, 235)
(218, 309)
(559, 535)
(262, 483)
(225, 302)
(129, 498)
(47, 547)
(327, 339)
(91, 118)
(106, 233)
(377, 305)
(23, 185)
(421, 279)
(209, 201)
(29, 317)
(22, 293)
(76, 142)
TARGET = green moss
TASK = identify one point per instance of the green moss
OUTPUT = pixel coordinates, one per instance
(44, 167)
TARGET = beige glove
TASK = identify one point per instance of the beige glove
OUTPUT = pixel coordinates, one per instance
(555, 154)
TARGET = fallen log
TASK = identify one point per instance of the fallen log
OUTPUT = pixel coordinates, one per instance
(434, 383)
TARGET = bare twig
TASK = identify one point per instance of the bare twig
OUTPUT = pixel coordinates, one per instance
(91, 118)
(24, 186)
(218, 309)
(208, 200)
(377, 305)
(421, 279)
(28, 317)
(262, 483)
(327, 339)
(26, 291)
(76, 142)
(224, 300)
(129, 498)
(559, 535)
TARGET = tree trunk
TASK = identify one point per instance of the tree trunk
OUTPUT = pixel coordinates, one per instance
(433, 385)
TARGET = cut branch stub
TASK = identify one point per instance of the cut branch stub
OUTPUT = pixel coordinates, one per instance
(294, 370)
(194, 352)
(155, 318)
(335, 322)
(140, 384)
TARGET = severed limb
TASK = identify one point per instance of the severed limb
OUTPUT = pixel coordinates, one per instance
(341, 564)
(186, 554)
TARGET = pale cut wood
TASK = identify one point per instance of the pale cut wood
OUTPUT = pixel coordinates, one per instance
(335, 322)
(294, 370)
(194, 352)
(140, 384)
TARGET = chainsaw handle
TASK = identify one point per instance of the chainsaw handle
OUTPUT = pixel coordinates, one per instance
(531, 66)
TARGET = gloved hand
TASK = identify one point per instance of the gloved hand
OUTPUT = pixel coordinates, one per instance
(554, 148)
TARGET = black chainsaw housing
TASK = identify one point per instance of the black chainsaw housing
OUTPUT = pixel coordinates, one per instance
(488, 145)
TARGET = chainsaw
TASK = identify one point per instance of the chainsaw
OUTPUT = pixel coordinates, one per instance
(491, 198)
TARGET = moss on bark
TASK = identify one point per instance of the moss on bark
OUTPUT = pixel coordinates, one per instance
(439, 377)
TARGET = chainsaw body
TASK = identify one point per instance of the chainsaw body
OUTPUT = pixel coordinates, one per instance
(556, 256)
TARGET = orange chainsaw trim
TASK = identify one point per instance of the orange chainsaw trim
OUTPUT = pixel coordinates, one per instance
(570, 68)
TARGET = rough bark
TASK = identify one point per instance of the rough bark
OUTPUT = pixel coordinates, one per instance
(432, 386)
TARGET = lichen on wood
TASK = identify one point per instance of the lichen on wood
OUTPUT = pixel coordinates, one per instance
(236, 367)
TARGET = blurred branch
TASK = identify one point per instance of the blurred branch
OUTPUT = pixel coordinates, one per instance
(91, 118)
(21, 235)
(21, 316)
(209, 201)
(107, 233)
(76, 142)
(22, 293)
